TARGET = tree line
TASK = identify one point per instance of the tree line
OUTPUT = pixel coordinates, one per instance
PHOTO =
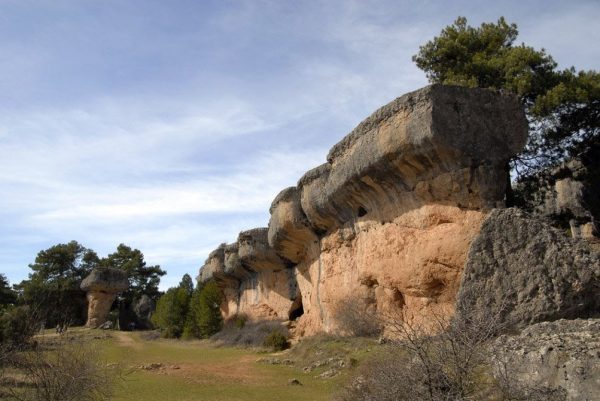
(188, 312)
(51, 296)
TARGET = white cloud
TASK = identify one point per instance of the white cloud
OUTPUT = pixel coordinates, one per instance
(174, 168)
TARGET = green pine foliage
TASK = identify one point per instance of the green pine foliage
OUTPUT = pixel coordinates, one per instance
(53, 288)
(18, 324)
(563, 106)
(8, 296)
(210, 320)
(205, 317)
(191, 328)
(143, 279)
(171, 311)
(189, 313)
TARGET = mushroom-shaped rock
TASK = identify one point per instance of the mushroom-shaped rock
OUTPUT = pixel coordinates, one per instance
(215, 269)
(254, 251)
(102, 286)
(233, 264)
(440, 144)
(289, 230)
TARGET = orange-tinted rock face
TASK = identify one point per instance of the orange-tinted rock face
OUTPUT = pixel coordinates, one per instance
(254, 280)
(383, 228)
(99, 304)
(269, 295)
(410, 266)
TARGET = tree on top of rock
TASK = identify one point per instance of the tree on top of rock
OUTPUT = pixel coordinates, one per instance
(143, 279)
(53, 287)
(563, 106)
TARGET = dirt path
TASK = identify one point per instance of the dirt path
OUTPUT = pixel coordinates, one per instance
(125, 339)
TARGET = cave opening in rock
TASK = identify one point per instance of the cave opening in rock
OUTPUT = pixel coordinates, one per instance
(361, 211)
(296, 310)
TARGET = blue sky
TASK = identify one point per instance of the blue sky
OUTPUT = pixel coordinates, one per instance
(171, 125)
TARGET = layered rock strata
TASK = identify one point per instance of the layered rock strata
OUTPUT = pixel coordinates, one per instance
(385, 225)
(102, 286)
(255, 281)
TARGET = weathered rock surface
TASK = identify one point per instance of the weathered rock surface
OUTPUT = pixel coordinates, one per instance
(143, 307)
(255, 252)
(445, 145)
(525, 271)
(254, 280)
(388, 220)
(102, 286)
(289, 232)
(563, 353)
(568, 195)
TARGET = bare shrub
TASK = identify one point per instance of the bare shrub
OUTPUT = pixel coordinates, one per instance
(356, 320)
(251, 334)
(442, 360)
(67, 371)
(510, 386)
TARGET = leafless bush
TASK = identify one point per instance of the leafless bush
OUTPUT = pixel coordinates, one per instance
(441, 360)
(68, 371)
(250, 334)
(510, 386)
(355, 319)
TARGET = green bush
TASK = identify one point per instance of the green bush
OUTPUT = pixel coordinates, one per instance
(171, 311)
(240, 321)
(276, 340)
(17, 326)
(204, 318)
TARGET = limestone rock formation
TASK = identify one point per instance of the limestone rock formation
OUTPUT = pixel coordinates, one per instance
(387, 222)
(289, 231)
(525, 271)
(102, 286)
(142, 309)
(254, 280)
(561, 354)
(567, 195)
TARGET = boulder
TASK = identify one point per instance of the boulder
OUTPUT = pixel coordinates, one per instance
(564, 354)
(567, 195)
(525, 271)
(143, 307)
(102, 286)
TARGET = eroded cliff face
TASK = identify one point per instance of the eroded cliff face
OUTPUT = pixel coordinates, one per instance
(254, 280)
(384, 227)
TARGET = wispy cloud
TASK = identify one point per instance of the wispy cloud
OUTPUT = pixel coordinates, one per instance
(172, 127)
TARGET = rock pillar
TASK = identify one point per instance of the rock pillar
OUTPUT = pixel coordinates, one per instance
(102, 286)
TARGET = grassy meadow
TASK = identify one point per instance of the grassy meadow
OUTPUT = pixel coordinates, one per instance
(199, 370)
